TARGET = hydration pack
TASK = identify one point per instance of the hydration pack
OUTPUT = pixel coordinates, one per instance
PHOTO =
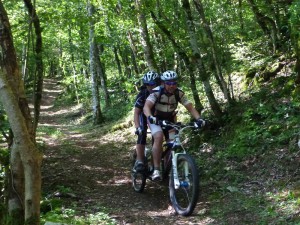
(161, 91)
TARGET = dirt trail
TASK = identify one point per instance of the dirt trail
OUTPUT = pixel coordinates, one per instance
(96, 168)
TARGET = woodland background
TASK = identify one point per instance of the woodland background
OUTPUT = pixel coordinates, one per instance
(224, 52)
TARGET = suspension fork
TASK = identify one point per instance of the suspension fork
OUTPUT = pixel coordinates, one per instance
(174, 169)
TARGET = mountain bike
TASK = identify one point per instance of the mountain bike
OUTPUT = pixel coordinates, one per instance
(177, 166)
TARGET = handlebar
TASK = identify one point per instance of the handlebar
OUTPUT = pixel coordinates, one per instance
(179, 129)
(178, 125)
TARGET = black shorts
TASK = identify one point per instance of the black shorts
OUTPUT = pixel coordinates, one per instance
(169, 117)
(143, 137)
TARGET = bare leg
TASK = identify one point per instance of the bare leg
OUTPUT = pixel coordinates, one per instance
(157, 149)
(140, 152)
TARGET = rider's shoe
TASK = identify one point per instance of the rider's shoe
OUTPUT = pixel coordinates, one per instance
(156, 175)
(138, 166)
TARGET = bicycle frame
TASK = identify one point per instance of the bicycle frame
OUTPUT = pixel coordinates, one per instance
(183, 178)
(176, 143)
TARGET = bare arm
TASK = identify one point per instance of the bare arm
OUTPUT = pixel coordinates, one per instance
(192, 110)
(147, 108)
(136, 114)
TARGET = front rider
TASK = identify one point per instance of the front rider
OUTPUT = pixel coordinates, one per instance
(161, 105)
(150, 81)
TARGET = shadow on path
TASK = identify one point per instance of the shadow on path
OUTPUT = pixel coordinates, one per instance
(95, 168)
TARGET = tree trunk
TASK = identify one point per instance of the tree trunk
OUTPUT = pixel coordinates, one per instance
(25, 158)
(240, 12)
(297, 70)
(296, 43)
(124, 58)
(264, 22)
(25, 54)
(16, 194)
(185, 58)
(73, 65)
(38, 85)
(22, 147)
(127, 73)
(145, 39)
(133, 52)
(295, 37)
(117, 59)
(219, 76)
(204, 77)
(101, 73)
(84, 67)
(97, 115)
(163, 63)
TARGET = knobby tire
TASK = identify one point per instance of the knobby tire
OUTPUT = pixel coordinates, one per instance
(138, 178)
(184, 199)
(138, 181)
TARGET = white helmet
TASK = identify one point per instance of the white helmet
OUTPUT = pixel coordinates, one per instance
(150, 77)
(169, 75)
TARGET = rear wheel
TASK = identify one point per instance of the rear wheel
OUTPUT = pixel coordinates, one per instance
(138, 179)
(185, 197)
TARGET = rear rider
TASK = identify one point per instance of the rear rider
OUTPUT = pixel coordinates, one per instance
(150, 81)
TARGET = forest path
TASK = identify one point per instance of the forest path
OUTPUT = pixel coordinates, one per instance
(90, 170)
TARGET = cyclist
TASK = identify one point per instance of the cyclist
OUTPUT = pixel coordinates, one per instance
(161, 105)
(150, 81)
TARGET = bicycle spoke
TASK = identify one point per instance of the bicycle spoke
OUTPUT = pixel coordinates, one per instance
(184, 198)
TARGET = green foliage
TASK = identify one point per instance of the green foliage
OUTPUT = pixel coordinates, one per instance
(55, 133)
(118, 111)
(4, 156)
(74, 92)
(54, 210)
(265, 119)
(260, 135)
(295, 19)
(254, 128)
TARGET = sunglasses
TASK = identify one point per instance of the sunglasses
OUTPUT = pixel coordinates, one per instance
(171, 83)
(151, 84)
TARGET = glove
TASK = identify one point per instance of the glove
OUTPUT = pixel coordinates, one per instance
(199, 123)
(153, 120)
(139, 131)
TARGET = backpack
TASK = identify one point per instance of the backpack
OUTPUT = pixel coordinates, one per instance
(161, 90)
(166, 115)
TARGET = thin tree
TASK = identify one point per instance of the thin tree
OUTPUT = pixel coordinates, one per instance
(101, 74)
(266, 23)
(182, 54)
(241, 18)
(38, 84)
(219, 76)
(145, 38)
(204, 76)
(97, 114)
(74, 72)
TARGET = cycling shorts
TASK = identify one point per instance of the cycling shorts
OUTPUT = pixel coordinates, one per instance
(143, 137)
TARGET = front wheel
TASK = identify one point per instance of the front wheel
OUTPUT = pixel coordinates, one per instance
(185, 197)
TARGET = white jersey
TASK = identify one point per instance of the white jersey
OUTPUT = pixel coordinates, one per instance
(166, 103)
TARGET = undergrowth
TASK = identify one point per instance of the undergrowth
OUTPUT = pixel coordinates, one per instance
(249, 166)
